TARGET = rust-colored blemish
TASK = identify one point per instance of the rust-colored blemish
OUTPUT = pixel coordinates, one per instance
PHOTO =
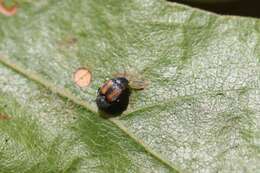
(82, 77)
(4, 117)
(7, 11)
(67, 42)
(71, 40)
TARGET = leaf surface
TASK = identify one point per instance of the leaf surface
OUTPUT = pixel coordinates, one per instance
(200, 113)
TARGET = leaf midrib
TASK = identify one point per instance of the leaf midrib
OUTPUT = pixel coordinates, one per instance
(68, 95)
(116, 121)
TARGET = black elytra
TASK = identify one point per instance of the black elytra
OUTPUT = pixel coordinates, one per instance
(113, 96)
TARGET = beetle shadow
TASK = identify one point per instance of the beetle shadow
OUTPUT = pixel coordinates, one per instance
(105, 115)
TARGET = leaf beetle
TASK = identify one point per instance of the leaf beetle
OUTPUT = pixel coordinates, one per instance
(113, 95)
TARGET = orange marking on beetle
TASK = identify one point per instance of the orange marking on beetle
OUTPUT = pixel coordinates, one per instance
(7, 11)
(111, 97)
(106, 86)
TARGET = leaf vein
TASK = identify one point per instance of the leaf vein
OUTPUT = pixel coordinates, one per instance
(67, 94)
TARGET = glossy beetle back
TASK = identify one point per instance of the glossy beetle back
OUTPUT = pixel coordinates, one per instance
(113, 96)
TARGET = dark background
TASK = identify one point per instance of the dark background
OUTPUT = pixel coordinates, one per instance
(250, 8)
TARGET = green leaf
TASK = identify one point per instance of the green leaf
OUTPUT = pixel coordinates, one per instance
(200, 113)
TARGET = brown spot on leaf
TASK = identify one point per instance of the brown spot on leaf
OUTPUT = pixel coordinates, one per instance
(67, 42)
(82, 77)
(7, 11)
(4, 117)
(71, 40)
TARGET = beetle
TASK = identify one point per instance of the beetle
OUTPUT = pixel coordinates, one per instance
(113, 96)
